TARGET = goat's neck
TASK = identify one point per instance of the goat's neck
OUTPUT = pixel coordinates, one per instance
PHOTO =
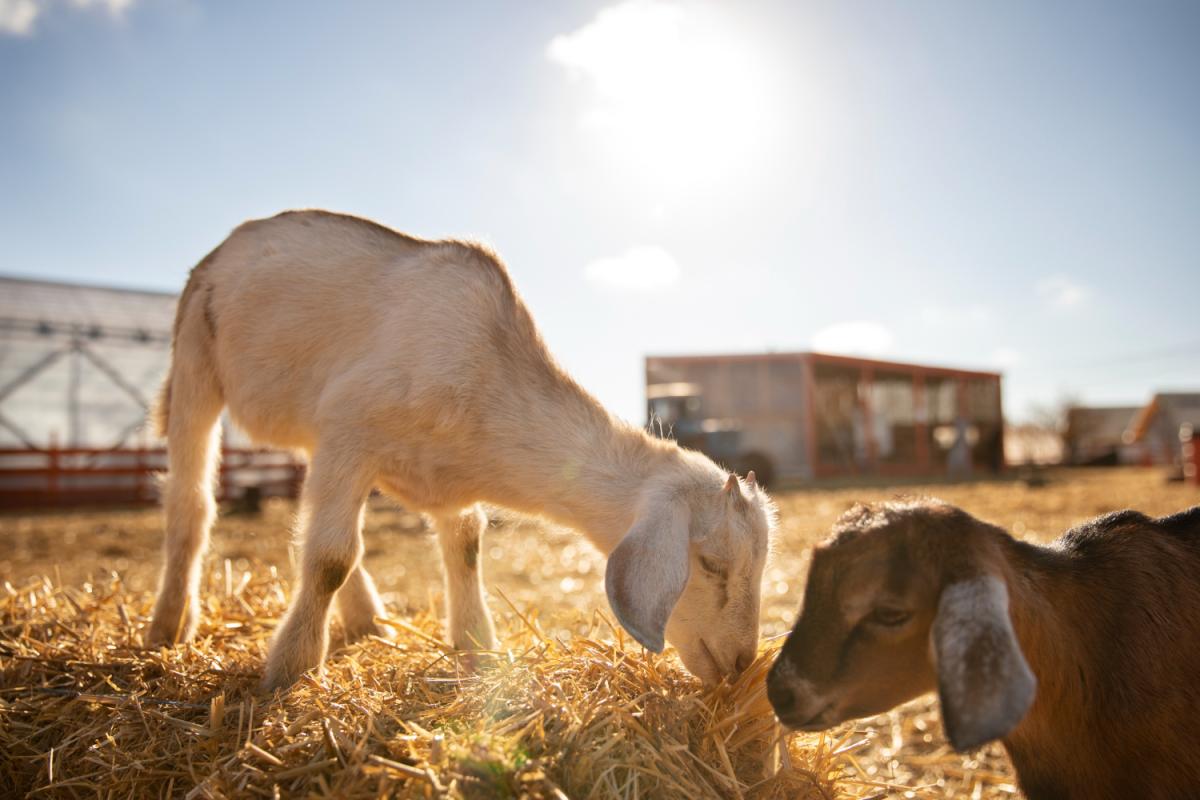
(1045, 588)
(579, 465)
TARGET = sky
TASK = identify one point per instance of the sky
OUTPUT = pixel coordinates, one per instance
(1011, 186)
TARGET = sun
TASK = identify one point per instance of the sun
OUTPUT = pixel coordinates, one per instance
(672, 90)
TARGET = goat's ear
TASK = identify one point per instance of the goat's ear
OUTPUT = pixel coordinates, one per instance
(647, 572)
(984, 682)
(733, 490)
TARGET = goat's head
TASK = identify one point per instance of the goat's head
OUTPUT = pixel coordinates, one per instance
(903, 599)
(689, 571)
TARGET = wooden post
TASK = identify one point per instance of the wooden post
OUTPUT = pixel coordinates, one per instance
(866, 385)
(810, 417)
(920, 422)
(1002, 461)
(1190, 452)
(52, 470)
(140, 465)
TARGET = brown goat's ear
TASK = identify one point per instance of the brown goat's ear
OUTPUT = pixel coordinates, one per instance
(984, 683)
(648, 571)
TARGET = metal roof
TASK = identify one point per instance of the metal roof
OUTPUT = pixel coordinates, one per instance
(1180, 408)
(56, 304)
(79, 364)
(819, 358)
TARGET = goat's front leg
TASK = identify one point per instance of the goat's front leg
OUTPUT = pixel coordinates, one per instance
(332, 547)
(461, 536)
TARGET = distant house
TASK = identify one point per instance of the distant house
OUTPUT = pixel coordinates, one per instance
(1097, 436)
(1156, 427)
(804, 416)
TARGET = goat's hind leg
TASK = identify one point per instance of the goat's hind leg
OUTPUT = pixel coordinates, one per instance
(334, 494)
(358, 605)
(193, 442)
(461, 536)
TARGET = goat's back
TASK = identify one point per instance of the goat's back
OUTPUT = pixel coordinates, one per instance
(1108, 530)
(1134, 616)
(1140, 584)
(316, 316)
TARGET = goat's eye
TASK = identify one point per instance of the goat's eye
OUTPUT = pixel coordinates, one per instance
(889, 617)
(712, 567)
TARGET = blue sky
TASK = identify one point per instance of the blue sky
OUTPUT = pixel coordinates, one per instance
(994, 185)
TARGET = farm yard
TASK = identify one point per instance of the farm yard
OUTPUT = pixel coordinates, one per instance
(841, 252)
(571, 707)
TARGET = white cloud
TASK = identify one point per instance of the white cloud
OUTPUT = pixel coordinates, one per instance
(114, 7)
(1006, 358)
(859, 337)
(935, 316)
(645, 268)
(645, 31)
(17, 17)
(1061, 292)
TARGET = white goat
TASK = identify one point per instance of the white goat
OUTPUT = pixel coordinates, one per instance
(413, 366)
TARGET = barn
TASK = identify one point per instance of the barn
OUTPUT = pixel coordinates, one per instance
(1163, 424)
(79, 367)
(804, 416)
(1098, 436)
(78, 364)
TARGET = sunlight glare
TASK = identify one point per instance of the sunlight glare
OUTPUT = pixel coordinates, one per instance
(673, 90)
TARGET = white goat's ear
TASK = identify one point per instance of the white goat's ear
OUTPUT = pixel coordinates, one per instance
(984, 682)
(733, 490)
(752, 479)
(648, 571)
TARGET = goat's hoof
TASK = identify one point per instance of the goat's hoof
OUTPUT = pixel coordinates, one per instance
(481, 639)
(277, 677)
(479, 650)
(172, 627)
(286, 665)
(478, 660)
(362, 630)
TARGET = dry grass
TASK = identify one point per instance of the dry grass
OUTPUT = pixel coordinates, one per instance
(569, 708)
(86, 712)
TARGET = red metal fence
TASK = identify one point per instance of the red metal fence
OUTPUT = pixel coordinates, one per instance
(61, 477)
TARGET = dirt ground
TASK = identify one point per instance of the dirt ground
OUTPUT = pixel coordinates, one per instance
(556, 574)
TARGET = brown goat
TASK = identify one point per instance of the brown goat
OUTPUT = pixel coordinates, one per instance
(1083, 657)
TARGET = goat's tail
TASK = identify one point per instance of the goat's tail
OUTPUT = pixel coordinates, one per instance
(190, 401)
(191, 342)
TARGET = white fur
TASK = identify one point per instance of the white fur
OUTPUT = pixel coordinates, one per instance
(414, 367)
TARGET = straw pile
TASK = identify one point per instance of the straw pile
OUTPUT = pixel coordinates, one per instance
(84, 711)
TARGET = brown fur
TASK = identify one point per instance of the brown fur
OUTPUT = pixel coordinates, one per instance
(1108, 618)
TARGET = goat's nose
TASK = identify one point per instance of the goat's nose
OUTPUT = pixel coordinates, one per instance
(782, 698)
(743, 662)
